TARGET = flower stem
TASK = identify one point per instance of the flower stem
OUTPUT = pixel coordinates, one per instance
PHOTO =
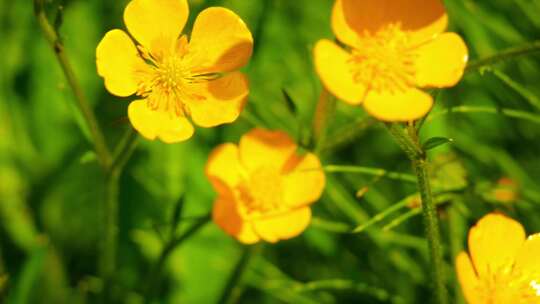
(526, 49)
(233, 289)
(52, 38)
(110, 241)
(431, 222)
(173, 243)
(108, 251)
(111, 167)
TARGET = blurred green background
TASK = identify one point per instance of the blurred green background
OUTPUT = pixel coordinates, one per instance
(51, 186)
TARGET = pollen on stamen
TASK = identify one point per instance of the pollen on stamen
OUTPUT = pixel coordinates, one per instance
(384, 61)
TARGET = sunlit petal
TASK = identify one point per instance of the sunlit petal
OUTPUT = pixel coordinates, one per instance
(304, 180)
(222, 100)
(117, 62)
(441, 62)
(260, 148)
(220, 41)
(153, 22)
(494, 242)
(333, 64)
(467, 278)
(423, 19)
(154, 123)
(406, 105)
(282, 227)
(225, 214)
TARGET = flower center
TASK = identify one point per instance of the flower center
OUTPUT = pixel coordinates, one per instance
(509, 286)
(384, 61)
(262, 192)
(167, 80)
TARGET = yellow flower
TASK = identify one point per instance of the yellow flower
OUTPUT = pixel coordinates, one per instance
(394, 48)
(503, 267)
(173, 77)
(264, 187)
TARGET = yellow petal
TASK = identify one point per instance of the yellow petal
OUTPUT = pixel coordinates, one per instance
(467, 278)
(528, 258)
(441, 62)
(494, 242)
(163, 125)
(221, 41)
(153, 22)
(423, 19)
(284, 226)
(226, 216)
(304, 182)
(335, 70)
(341, 28)
(224, 165)
(117, 61)
(407, 105)
(264, 148)
(224, 99)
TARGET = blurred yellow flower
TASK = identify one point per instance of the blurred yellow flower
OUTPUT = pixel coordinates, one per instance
(503, 267)
(176, 78)
(394, 48)
(264, 187)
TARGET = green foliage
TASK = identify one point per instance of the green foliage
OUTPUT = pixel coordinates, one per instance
(365, 244)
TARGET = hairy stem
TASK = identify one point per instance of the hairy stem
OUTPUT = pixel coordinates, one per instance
(431, 221)
(522, 50)
(111, 167)
(174, 242)
(52, 38)
(109, 245)
(233, 289)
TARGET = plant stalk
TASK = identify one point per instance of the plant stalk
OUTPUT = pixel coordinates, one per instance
(512, 52)
(233, 290)
(431, 221)
(112, 168)
(109, 245)
(174, 242)
(53, 39)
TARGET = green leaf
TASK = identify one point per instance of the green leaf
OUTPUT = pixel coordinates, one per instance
(291, 106)
(435, 142)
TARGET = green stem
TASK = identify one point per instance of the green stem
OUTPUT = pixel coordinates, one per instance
(413, 150)
(173, 243)
(378, 172)
(326, 106)
(112, 168)
(108, 250)
(233, 289)
(528, 48)
(534, 118)
(54, 41)
(429, 211)
(431, 221)
(123, 151)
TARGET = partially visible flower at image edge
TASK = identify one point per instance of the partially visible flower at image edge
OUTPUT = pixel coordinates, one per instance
(265, 188)
(176, 78)
(503, 266)
(393, 48)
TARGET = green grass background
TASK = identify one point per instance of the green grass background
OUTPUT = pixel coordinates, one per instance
(51, 185)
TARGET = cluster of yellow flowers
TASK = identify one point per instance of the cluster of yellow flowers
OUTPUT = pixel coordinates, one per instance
(391, 49)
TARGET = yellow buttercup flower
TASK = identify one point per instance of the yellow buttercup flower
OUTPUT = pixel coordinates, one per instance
(173, 77)
(503, 267)
(265, 188)
(394, 47)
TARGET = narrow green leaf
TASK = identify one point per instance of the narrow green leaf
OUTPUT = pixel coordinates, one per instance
(519, 88)
(435, 142)
(289, 102)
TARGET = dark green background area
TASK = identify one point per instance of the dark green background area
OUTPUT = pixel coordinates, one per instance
(51, 185)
